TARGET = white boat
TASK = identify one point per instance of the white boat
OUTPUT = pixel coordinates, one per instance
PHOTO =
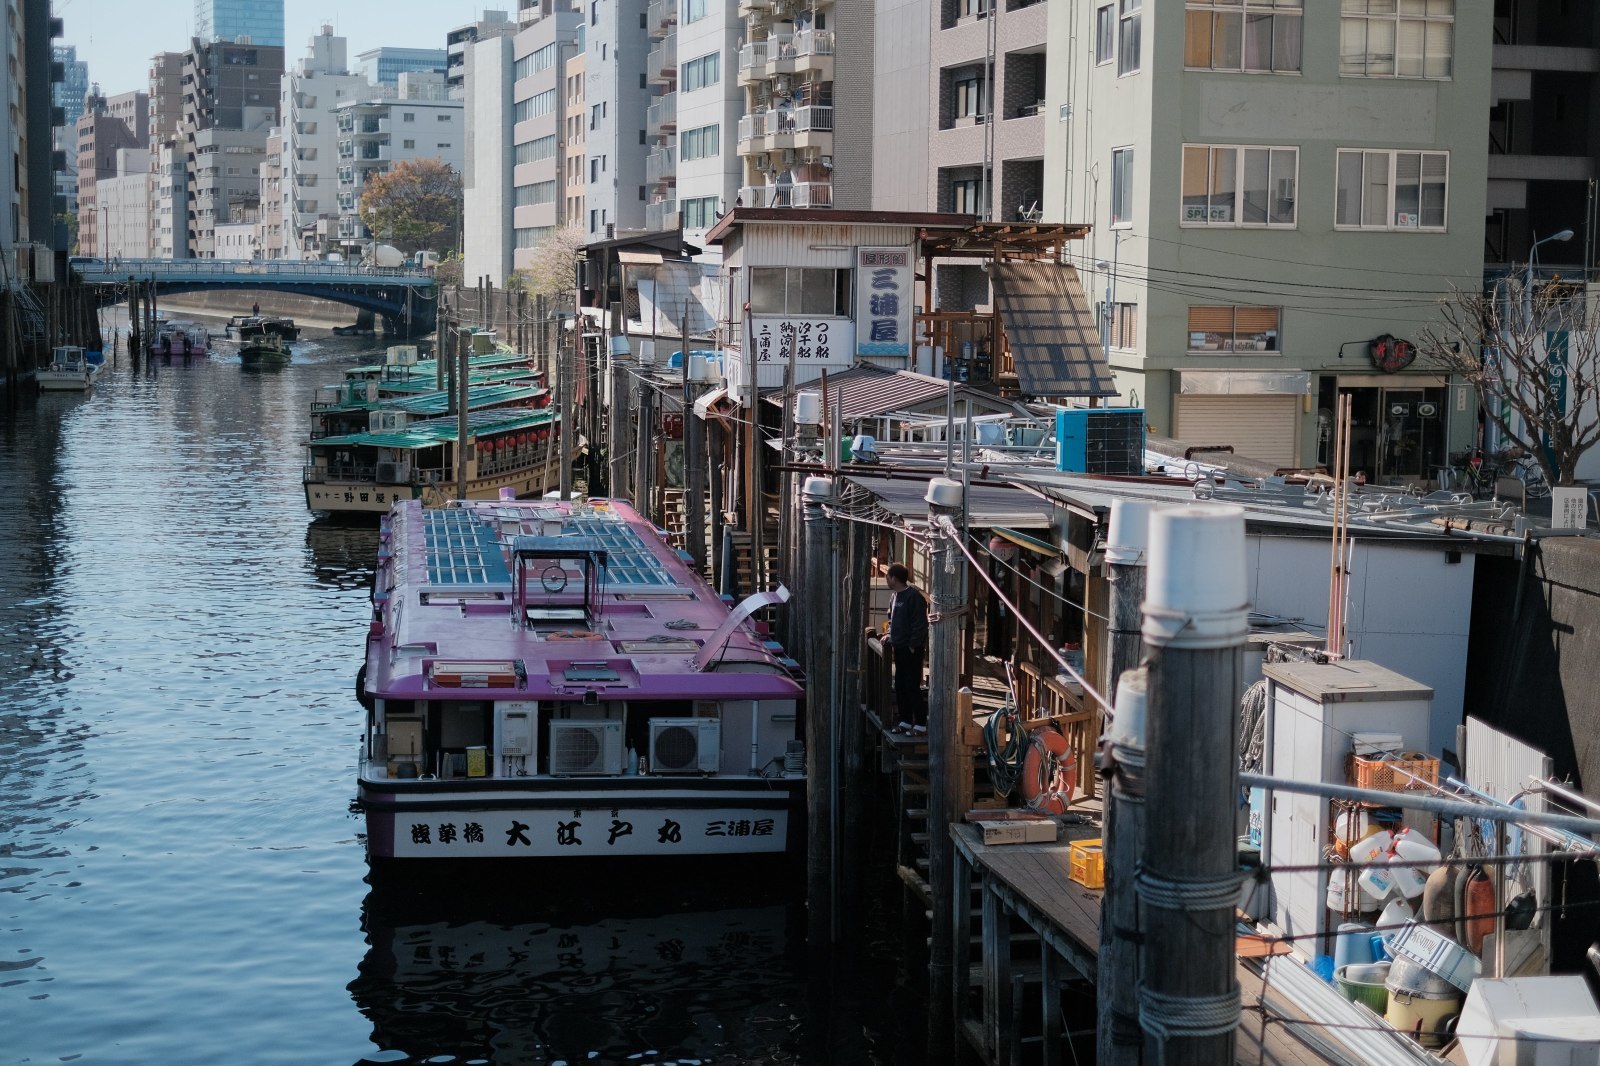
(69, 371)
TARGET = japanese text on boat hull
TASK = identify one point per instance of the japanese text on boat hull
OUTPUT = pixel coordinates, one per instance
(451, 834)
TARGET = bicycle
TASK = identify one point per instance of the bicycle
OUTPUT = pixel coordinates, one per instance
(1528, 471)
(1472, 473)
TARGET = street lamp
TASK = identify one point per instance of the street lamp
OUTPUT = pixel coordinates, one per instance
(1527, 281)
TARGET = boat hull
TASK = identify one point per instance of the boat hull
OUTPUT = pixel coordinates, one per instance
(366, 497)
(56, 381)
(440, 820)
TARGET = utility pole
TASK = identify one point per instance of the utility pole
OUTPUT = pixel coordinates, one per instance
(1118, 1039)
(822, 877)
(947, 581)
(646, 453)
(564, 406)
(1195, 624)
(462, 382)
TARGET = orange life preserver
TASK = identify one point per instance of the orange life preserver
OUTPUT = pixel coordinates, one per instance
(1049, 772)
(572, 634)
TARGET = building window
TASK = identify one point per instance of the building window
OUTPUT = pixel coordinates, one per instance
(702, 72)
(1233, 329)
(1128, 36)
(1255, 36)
(799, 291)
(972, 97)
(1229, 185)
(1121, 186)
(1386, 39)
(537, 149)
(1391, 190)
(699, 212)
(408, 116)
(408, 144)
(1124, 325)
(701, 143)
(694, 10)
(541, 192)
(964, 197)
(972, 8)
(1105, 33)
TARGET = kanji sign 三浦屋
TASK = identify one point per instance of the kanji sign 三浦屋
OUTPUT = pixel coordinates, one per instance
(883, 301)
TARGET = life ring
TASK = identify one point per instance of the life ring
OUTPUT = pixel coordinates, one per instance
(1049, 772)
(1390, 354)
(571, 634)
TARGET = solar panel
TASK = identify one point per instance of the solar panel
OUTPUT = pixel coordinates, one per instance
(462, 551)
(629, 561)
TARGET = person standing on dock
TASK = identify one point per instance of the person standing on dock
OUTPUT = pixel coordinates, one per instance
(908, 644)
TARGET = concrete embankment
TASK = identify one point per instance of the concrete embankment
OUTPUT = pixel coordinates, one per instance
(305, 310)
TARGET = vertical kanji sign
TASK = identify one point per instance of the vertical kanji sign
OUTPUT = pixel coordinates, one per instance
(883, 301)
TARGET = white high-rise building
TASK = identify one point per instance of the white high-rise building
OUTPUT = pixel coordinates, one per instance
(124, 205)
(617, 63)
(320, 83)
(375, 134)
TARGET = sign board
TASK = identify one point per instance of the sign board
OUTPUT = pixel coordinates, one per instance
(883, 301)
(589, 829)
(1569, 508)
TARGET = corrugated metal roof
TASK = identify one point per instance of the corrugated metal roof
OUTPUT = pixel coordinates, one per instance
(987, 505)
(435, 403)
(435, 431)
(1054, 340)
(870, 391)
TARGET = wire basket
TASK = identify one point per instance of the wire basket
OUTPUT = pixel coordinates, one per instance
(1409, 771)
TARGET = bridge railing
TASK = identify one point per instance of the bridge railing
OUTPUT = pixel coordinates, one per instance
(166, 269)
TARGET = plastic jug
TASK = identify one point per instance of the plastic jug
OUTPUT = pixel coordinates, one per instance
(1414, 847)
(1378, 881)
(1409, 881)
(1370, 849)
(1396, 914)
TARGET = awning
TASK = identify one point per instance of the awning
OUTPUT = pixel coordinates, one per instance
(704, 405)
(645, 257)
(1050, 330)
(1022, 540)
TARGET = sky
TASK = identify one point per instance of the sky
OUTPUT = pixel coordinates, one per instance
(118, 37)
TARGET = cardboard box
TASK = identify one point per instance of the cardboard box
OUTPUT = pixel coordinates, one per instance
(1014, 827)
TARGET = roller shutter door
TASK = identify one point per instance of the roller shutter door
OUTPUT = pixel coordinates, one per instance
(1260, 427)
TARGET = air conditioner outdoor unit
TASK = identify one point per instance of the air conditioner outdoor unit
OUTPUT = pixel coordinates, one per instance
(685, 745)
(585, 747)
(788, 157)
(827, 162)
(392, 473)
(762, 163)
(383, 421)
(781, 83)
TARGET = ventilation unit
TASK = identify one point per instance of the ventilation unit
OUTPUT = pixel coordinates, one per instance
(391, 473)
(1101, 440)
(384, 421)
(585, 747)
(685, 745)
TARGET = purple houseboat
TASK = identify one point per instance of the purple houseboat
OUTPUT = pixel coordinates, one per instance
(552, 679)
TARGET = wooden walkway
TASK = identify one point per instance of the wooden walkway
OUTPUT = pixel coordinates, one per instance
(1025, 890)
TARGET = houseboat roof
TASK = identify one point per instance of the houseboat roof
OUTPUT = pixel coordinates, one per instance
(438, 403)
(828, 216)
(472, 581)
(434, 431)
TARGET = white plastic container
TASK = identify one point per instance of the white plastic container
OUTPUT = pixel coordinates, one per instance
(1377, 881)
(1414, 847)
(1196, 595)
(1409, 880)
(1392, 922)
(1374, 848)
(1437, 954)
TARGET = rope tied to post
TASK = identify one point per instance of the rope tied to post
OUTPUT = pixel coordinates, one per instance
(1169, 1016)
(1200, 894)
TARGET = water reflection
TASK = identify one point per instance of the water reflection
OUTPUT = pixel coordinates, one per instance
(524, 976)
(342, 555)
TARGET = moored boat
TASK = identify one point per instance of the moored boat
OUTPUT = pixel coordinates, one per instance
(70, 370)
(176, 338)
(264, 350)
(245, 327)
(551, 679)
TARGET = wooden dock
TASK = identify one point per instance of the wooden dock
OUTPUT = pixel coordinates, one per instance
(1027, 897)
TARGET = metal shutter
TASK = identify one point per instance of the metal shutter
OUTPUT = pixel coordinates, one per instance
(1260, 427)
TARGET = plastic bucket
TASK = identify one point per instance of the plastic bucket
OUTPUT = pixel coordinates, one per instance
(1352, 946)
(1364, 984)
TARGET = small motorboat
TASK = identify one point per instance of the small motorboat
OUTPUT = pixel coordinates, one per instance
(70, 370)
(266, 350)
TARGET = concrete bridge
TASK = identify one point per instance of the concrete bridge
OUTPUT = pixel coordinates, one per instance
(406, 299)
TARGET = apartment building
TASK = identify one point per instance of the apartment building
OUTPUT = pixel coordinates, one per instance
(487, 161)
(692, 119)
(106, 127)
(230, 107)
(67, 96)
(124, 206)
(786, 68)
(165, 123)
(376, 134)
(1275, 188)
(270, 240)
(26, 120)
(383, 66)
(458, 40)
(987, 80)
(311, 93)
(169, 206)
(551, 34)
(618, 66)
(572, 142)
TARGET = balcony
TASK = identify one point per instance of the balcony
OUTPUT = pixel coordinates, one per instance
(796, 194)
(662, 14)
(661, 117)
(662, 65)
(305, 129)
(753, 62)
(661, 165)
(661, 215)
(755, 125)
(752, 7)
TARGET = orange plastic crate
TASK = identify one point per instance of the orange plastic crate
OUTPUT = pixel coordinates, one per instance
(1404, 774)
(1086, 863)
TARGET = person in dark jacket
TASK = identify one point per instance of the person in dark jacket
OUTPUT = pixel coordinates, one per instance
(908, 643)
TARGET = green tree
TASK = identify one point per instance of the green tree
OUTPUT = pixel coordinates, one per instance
(415, 206)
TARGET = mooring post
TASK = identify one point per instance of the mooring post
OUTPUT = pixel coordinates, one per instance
(1118, 1038)
(821, 734)
(564, 394)
(1195, 624)
(947, 581)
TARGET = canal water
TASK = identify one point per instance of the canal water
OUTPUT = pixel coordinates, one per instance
(181, 878)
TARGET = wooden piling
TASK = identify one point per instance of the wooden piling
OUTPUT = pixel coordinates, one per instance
(947, 568)
(1195, 624)
(1118, 1039)
(821, 736)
